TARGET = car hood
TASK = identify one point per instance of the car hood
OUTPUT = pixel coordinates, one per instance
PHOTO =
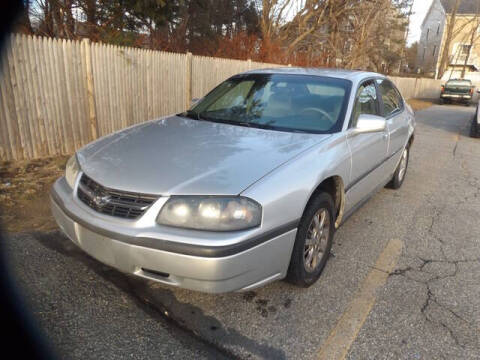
(177, 155)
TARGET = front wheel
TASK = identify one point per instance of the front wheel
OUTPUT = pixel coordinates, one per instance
(313, 241)
(401, 171)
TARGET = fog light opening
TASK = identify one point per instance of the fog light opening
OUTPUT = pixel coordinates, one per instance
(155, 273)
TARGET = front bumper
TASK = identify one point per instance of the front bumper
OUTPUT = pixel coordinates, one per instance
(140, 248)
(456, 96)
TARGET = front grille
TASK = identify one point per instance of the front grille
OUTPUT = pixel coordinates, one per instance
(112, 202)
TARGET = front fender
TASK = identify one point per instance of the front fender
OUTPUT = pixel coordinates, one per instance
(285, 192)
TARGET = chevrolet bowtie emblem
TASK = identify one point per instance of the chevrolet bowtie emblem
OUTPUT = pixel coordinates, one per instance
(100, 199)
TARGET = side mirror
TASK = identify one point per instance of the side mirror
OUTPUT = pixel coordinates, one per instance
(367, 123)
(194, 101)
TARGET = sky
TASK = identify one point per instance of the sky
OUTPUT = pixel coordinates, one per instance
(420, 8)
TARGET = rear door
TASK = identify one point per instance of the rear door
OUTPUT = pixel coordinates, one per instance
(393, 109)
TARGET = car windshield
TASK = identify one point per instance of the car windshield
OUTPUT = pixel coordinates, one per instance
(280, 102)
(459, 83)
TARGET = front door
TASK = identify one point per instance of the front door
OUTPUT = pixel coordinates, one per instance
(368, 150)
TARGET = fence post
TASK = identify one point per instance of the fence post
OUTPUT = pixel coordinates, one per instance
(415, 89)
(188, 77)
(90, 89)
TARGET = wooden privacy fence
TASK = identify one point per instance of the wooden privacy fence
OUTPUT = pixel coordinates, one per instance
(57, 95)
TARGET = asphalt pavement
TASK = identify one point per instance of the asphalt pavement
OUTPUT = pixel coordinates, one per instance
(427, 307)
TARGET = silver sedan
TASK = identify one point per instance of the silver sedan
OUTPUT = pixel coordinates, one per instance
(246, 187)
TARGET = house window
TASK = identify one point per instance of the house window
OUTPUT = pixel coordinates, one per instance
(438, 29)
(434, 50)
(428, 32)
(464, 50)
(423, 56)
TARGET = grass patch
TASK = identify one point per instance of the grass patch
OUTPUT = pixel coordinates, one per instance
(24, 193)
(420, 104)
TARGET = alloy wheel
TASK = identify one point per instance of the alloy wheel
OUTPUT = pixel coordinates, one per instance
(403, 165)
(317, 240)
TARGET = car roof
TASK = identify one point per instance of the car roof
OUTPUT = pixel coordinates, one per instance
(353, 75)
(460, 80)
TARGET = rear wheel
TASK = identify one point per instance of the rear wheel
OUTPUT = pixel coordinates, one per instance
(313, 241)
(475, 128)
(401, 171)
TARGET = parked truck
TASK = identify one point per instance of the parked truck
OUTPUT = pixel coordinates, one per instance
(457, 90)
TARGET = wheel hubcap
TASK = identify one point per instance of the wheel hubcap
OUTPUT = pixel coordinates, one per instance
(317, 240)
(403, 165)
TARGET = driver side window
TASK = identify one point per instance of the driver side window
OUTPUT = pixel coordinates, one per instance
(366, 101)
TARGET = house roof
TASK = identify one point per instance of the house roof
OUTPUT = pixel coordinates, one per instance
(466, 6)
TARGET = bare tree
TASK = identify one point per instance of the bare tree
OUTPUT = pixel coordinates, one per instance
(24, 24)
(305, 32)
(450, 27)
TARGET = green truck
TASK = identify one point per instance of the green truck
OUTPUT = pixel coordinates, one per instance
(457, 90)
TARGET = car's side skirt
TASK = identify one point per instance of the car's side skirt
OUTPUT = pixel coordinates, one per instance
(385, 181)
(362, 202)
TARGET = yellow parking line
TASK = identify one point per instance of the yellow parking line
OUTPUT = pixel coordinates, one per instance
(347, 329)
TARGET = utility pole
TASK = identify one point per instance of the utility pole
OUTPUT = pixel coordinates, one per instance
(474, 31)
(446, 49)
(404, 56)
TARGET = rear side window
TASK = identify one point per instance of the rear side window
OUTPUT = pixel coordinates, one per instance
(392, 100)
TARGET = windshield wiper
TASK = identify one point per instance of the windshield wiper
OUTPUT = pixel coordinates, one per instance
(190, 114)
(229, 122)
(201, 116)
(196, 116)
(243, 123)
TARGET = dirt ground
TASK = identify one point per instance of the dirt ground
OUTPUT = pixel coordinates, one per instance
(25, 187)
(419, 104)
(24, 193)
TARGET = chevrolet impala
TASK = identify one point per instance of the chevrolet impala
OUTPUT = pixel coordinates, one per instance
(246, 187)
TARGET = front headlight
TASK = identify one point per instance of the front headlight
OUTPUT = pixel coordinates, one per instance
(71, 170)
(212, 213)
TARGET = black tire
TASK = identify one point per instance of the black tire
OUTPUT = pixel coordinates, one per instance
(398, 178)
(475, 128)
(297, 271)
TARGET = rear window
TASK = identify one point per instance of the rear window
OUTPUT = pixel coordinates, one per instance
(459, 83)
